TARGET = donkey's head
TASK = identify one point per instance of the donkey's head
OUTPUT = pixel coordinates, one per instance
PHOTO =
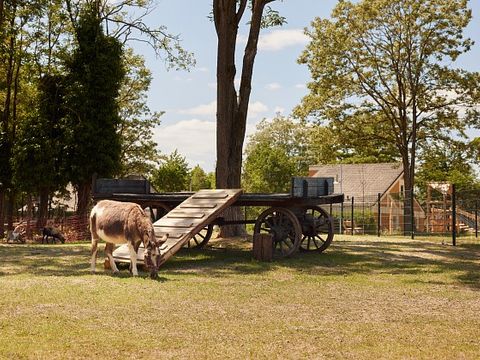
(152, 254)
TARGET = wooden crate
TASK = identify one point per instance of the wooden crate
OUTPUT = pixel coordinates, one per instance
(311, 186)
(125, 186)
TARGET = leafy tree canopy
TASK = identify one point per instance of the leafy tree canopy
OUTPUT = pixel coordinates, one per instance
(172, 175)
(199, 179)
(381, 73)
(139, 154)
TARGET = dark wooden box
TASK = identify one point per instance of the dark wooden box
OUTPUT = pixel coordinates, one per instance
(311, 186)
(123, 186)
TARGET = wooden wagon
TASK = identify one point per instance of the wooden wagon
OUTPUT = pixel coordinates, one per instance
(295, 220)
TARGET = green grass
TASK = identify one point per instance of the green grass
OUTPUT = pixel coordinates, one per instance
(364, 298)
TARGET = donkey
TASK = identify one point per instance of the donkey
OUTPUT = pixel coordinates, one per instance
(49, 231)
(123, 222)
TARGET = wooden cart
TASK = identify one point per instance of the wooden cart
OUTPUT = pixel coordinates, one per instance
(295, 220)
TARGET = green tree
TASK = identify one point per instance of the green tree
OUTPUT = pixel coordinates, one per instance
(172, 175)
(39, 162)
(452, 163)
(380, 73)
(268, 170)
(95, 76)
(139, 154)
(199, 179)
(281, 148)
(14, 55)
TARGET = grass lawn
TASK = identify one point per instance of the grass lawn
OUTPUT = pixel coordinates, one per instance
(364, 298)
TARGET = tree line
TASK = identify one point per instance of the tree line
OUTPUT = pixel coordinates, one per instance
(73, 96)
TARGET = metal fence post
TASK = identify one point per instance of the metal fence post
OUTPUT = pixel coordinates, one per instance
(341, 218)
(412, 214)
(351, 219)
(454, 217)
(476, 218)
(378, 215)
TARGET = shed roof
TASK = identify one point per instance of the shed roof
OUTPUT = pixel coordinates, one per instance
(360, 180)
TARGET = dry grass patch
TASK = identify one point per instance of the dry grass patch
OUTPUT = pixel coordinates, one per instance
(363, 298)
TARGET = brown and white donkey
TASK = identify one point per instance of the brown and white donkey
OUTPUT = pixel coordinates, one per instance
(123, 222)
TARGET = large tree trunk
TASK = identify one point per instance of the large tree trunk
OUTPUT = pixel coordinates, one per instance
(10, 208)
(43, 208)
(232, 109)
(83, 193)
(29, 216)
(2, 216)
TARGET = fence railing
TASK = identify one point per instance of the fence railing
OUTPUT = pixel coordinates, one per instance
(454, 215)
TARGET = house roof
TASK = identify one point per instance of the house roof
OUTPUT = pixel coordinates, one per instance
(360, 180)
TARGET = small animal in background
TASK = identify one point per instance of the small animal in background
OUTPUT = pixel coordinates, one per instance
(49, 231)
(17, 235)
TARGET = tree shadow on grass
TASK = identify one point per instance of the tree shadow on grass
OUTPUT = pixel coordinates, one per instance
(342, 258)
(55, 260)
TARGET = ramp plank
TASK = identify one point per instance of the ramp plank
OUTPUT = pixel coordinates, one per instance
(204, 205)
(185, 215)
(176, 223)
(182, 225)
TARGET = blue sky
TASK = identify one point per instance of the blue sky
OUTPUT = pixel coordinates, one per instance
(188, 98)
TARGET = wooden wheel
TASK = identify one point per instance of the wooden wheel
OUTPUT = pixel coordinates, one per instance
(158, 212)
(317, 229)
(200, 239)
(283, 225)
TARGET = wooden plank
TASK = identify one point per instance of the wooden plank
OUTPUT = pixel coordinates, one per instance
(174, 235)
(168, 251)
(175, 223)
(160, 230)
(185, 215)
(205, 205)
(210, 195)
(181, 230)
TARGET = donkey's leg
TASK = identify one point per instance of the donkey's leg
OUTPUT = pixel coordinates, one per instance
(135, 247)
(133, 259)
(95, 238)
(108, 253)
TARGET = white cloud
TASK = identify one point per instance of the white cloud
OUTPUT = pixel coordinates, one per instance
(210, 109)
(300, 86)
(273, 86)
(212, 85)
(279, 110)
(205, 109)
(256, 108)
(279, 39)
(202, 69)
(195, 139)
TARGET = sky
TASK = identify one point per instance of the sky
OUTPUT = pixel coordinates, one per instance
(278, 85)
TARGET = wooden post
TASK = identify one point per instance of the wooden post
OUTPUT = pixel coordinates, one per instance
(263, 247)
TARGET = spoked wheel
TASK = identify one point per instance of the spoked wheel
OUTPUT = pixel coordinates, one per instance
(317, 229)
(283, 225)
(161, 211)
(157, 212)
(201, 238)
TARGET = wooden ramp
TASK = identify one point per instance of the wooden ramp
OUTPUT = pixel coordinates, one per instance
(185, 221)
